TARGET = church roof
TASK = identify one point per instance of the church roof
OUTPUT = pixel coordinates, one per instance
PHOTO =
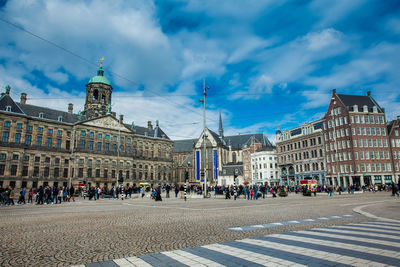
(157, 132)
(241, 140)
(181, 146)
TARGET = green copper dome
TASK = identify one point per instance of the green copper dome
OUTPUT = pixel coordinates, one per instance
(99, 78)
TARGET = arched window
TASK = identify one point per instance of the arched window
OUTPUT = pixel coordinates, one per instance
(103, 98)
(96, 94)
(234, 157)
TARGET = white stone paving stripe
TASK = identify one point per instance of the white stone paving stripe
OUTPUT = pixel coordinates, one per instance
(370, 240)
(138, 262)
(383, 231)
(388, 227)
(274, 224)
(344, 231)
(248, 255)
(382, 223)
(335, 244)
(196, 259)
(180, 258)
(123, 263)
(303, 251)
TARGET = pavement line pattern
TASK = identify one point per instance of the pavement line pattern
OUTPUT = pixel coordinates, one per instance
(326, 246)
(269, 225)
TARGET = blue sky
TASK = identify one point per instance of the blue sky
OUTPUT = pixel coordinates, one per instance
(267, 62)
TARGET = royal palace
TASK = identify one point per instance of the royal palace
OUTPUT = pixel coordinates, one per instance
(42, 146)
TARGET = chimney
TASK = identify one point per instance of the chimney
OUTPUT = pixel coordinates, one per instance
(114, 114)
(121, 118)
(149, 125)
(333, 91)
(369, 93)
(70, 108)
(23, 98)
(383, 110)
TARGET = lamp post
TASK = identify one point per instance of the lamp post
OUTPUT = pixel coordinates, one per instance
(204, 136)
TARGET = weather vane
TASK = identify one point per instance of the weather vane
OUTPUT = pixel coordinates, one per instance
(101, 62)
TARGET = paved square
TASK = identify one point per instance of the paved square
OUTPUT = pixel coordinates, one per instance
(174, 232)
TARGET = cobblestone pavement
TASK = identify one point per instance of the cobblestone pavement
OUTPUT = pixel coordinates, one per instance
(84, 232)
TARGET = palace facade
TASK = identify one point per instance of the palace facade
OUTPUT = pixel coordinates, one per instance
(42, 146)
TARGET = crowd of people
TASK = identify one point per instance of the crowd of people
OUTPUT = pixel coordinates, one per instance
(57, 195)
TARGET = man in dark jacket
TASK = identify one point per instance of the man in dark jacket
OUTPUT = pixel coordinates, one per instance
(72, 192)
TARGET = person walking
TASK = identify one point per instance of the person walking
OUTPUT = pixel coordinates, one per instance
(30, 195)
(22, 196)
(72, 193)
(11, 197)
(394, 189)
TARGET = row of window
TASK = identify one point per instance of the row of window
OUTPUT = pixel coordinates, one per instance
(89, 173)
(364, 167)
(28, 140)
(29, 128)
(366, 131)
(304, 155)
(265, 166)
(362, 119)
(302, 144)
(310, 167)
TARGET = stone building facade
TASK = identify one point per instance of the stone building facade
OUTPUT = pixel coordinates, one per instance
(42, 146)
(264, 166)
(301, 154)
(356, 141)
(393, 129)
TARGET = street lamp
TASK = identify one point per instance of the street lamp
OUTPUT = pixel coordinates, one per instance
(203, 101)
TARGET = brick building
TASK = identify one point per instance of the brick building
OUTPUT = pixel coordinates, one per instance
(356, 141)
(301, 153)
(42, 146)
(393, 129)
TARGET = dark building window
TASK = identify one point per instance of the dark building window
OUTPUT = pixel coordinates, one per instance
(82, 144)
(56, 172)
(7, 124)
(91, 145)
(46, 172)
(114, 148)
(98, 146)
(65, 174)
(67, 144)
(37, 159)
(6, 135)
(59, 132)
(17, 138)
(105, 173)
(28, 139)
(38, 140)
(49, 141)
(29, 128)
(24, 170)
(36, 171)
(2, 169)
(47, 160)
(57, 160)
(113, 174)
(58, 143)
(24, 184)
(127, 175)
(97, 173)
(107, 147)
(89, 172)
(80, 172)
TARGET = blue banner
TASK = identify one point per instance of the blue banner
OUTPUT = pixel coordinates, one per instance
(198, 165)
(215, 165)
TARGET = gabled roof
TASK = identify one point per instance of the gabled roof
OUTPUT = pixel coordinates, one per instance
(181, 146)
(229, 170)
(7, 101)
(157, 132)
(360, 100)
(217, 138)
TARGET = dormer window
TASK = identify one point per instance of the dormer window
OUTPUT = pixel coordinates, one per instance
(60, 118)
(8, 108)
(374, 109)
(41, 115)
(355, 108)
(365, 108)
